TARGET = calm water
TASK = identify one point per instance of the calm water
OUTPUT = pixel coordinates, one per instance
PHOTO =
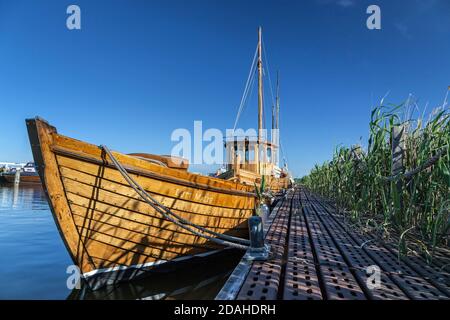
(33, 259)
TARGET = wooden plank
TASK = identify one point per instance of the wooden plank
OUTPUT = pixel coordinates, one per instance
(154, 186)
(119, 201)
(169, 200)
(97, 221)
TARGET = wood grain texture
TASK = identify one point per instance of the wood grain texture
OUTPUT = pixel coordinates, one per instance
(105, 224)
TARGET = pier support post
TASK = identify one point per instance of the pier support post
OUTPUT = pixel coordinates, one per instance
(398, 152)
(398, 149)
(17, 177)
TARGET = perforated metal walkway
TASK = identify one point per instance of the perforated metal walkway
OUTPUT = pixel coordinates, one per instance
(316, 256)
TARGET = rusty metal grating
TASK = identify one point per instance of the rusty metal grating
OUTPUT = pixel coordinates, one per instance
(358, 259)
(262, 282)
(411, 283)
(431, 272)
(316, 255)
(263, 279)
(338, 281)
(301, 280)
(442, 260)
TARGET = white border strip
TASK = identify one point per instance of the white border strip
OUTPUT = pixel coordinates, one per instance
(148, 264)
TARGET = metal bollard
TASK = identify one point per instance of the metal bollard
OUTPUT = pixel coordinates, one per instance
(256, 232)
(258, 250)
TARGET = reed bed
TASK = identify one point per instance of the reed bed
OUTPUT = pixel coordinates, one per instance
(410, 203)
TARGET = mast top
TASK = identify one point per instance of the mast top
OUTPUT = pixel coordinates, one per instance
(260, 86)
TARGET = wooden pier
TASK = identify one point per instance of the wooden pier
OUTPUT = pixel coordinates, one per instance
(316, 255)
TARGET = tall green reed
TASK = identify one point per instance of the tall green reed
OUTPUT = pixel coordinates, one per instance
(360, 179)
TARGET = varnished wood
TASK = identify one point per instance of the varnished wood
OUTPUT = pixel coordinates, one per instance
(169, 161)
(105, 224)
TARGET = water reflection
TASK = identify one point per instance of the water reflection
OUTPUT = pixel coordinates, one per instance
(22, 197)
(34, 260)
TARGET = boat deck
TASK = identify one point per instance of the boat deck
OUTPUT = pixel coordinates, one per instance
(317, 255)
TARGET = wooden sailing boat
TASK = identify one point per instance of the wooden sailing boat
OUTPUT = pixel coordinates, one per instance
(264, 165)
(110, 232)
(121, 215)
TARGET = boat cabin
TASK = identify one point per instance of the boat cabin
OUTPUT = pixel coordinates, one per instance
(242, 153)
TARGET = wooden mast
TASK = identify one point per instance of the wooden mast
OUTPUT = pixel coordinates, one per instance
(260, 87)
(277, 112)
(260, 100)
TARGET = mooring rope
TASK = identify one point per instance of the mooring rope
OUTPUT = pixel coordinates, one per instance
(221, 239)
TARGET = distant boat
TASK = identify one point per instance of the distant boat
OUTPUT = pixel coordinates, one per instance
(121, 215)
(28, 174)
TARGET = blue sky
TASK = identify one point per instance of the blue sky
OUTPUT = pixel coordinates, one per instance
(137, 70)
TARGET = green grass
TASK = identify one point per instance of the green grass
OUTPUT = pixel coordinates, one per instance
(359, 179)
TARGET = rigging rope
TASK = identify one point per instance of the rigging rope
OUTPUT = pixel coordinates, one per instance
(285, 156)
(268, 70)
(221, 239)
(248, 84)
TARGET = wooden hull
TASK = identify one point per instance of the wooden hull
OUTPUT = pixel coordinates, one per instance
(9, 178)
(110, 232)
